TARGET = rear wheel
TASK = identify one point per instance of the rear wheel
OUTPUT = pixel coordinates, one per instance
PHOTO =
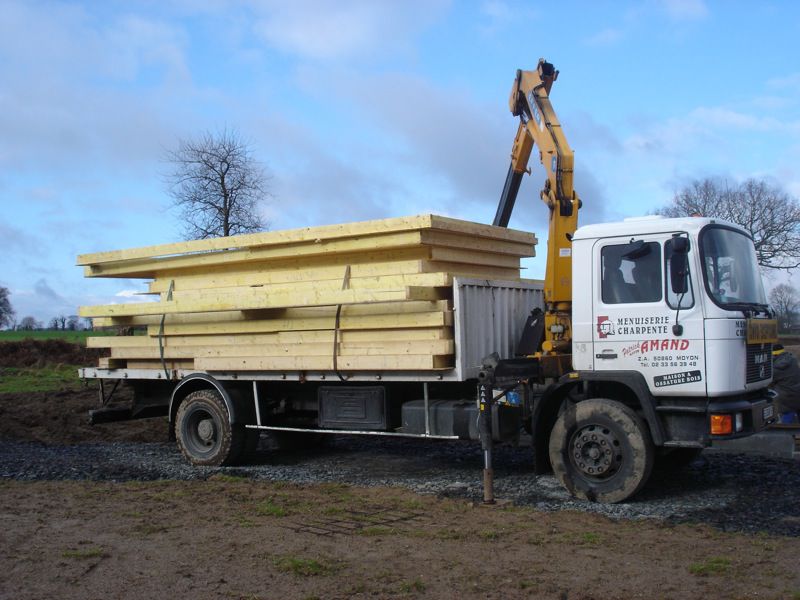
(204, 431)
(601, 450)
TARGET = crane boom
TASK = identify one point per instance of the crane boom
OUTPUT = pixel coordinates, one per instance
(539, 125)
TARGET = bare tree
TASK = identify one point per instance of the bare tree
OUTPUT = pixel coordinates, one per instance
(29, 324)
(74, 323)
(6, 310)
(217, 186)
(785, 301)
(53, 324)
(765, 210)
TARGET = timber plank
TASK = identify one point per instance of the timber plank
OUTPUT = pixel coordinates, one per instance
(319, 363)
(281, 337)
(356, 283)
(259, 275)
(440, 347)
(149, 267)
(458, 241)
(212, 302)
(377, 308)
(291, 236)
(368, 322)
(474, 257)
(171, 365)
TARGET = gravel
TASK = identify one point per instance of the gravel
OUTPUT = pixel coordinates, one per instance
(732, 492)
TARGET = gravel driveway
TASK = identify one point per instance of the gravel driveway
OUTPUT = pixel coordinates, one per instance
(731, 492)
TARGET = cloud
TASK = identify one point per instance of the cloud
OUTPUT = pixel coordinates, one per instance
(439, 131)
(321, 30)
(605, 37)
(685, 10)
(68, 79)
(42, 289)
(15, 241)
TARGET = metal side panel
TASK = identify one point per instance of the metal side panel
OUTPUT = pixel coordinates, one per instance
(489, 317)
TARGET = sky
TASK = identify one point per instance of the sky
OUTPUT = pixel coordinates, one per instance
(365, 109)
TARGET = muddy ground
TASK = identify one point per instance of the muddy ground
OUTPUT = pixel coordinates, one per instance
(228, 537)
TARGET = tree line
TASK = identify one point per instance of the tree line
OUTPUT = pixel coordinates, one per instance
(8, 318)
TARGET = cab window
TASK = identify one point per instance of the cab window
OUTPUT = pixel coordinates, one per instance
(631, 273)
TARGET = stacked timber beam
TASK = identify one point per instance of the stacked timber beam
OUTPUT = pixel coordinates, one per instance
(374, 295)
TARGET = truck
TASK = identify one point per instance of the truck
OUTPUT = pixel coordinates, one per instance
(648, 339)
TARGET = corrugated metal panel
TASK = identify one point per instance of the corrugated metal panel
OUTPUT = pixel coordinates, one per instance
(489, 317)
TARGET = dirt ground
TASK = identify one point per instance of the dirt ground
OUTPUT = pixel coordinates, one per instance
(237, 538)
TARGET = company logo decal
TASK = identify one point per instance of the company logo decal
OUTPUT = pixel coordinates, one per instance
(677, 378)
(638, 326)
(605, 327)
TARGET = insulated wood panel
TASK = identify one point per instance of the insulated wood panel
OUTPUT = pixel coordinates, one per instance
(269, 301)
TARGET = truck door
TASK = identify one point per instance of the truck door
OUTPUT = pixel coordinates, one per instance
(634, 310)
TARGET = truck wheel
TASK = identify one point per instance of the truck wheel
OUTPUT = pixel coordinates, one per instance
(601, 450)
(204, 432)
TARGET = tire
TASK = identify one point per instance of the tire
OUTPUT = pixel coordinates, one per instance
(204, 432)
(601, 451)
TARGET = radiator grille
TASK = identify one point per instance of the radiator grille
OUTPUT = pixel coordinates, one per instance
(759, 362)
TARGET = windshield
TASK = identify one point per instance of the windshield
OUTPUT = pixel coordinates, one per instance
(731, 270)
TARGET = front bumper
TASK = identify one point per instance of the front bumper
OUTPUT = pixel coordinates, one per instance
(689, 424)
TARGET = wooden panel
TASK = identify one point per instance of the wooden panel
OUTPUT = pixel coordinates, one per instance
(148, 267)
(283, 337)
(475, 258)
(453, 240)
(268, 301)
(156, 364)
(319, 349)
(399, 321)
(358, 283)
(305, 363)
(292, 236)
(212, 302)
(259, 275)
(275, 313)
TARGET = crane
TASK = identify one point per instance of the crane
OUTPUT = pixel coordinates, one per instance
(530, 101)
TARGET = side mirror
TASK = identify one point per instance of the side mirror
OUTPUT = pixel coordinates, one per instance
(679, 265)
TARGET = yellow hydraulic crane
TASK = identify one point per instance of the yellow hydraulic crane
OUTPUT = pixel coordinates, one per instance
(539, 125)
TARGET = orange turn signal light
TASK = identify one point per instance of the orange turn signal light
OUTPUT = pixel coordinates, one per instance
(721, 424)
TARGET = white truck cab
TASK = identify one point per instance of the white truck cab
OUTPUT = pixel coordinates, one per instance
(691, 342)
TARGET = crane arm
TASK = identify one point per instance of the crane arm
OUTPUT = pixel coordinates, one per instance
(539, 125)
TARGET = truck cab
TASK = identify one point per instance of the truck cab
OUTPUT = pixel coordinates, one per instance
(671, 349)
(688, 342)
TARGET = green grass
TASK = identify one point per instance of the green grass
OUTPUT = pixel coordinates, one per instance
(417, 585)
(716, 565)
(267, 508)
(591, 538)
(46, 379)
(76, 337)
(82, 554)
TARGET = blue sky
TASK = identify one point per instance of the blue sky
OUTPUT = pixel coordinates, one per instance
(369, 109)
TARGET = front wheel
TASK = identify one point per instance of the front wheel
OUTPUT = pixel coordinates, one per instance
(204, 432)
(601, 450)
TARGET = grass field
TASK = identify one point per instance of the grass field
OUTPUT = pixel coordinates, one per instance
(44, 379)
(76, 337)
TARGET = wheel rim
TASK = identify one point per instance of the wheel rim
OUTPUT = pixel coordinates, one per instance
(595, 452)
(201, 432)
